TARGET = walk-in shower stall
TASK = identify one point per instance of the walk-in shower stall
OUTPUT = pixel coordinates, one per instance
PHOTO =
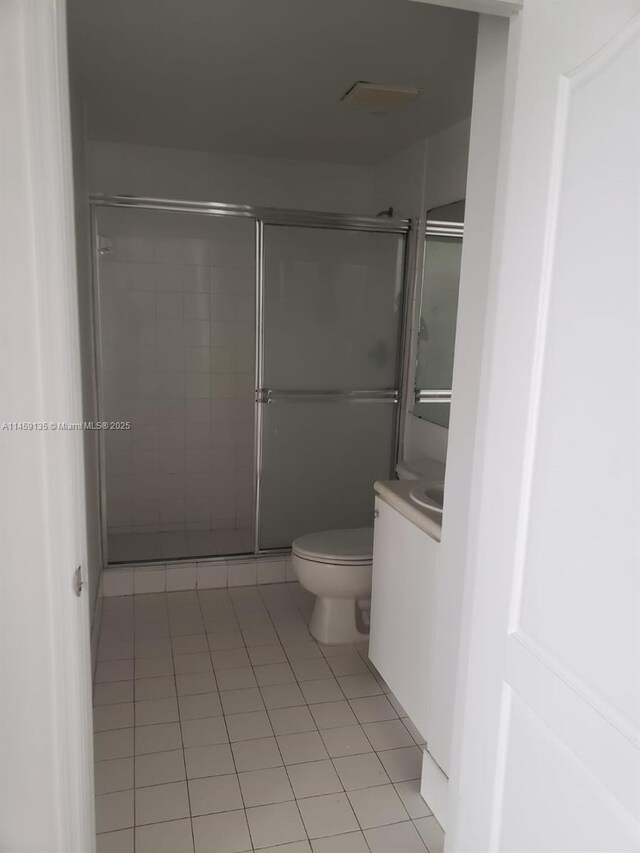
(249, 369)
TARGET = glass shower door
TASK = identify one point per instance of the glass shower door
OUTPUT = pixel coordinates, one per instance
(331, 328)
(176, 360)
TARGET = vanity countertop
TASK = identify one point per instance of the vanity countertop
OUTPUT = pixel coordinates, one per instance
(396, 494)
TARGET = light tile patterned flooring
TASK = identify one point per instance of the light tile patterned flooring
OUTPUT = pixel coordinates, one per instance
(221, 726)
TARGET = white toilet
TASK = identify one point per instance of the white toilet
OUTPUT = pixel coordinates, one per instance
(335, 565)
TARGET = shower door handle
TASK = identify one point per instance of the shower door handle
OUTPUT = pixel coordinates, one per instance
(421, 395)
(270, 395)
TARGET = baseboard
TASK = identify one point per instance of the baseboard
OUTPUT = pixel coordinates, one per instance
(195, 574)
(434, 788)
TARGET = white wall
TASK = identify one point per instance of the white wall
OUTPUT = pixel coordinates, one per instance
(447, 156)
(143, 170)
(470, 347)
(399, 182)
(46, 779)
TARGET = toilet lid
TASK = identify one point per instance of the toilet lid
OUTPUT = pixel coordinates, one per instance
(337, 546)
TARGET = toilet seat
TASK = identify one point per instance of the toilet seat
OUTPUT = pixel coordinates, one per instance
(352, 547)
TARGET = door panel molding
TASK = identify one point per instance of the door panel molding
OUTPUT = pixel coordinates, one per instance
(550, 580)
(591, 728)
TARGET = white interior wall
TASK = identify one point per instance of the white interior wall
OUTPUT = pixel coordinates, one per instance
(144, 170)
(46, 779)
(447, 156)
(398, 182)
(486, 124)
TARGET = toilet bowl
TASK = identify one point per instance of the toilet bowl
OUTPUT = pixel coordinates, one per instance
(336, 566)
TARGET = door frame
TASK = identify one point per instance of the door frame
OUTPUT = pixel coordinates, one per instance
(38, 71)
(47, 731)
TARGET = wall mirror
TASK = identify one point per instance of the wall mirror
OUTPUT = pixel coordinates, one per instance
(438, 313)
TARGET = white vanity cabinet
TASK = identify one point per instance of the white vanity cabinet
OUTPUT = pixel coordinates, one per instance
(403, 602)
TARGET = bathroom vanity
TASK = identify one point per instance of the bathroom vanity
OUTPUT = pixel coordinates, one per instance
(404, 636)
(405, 559)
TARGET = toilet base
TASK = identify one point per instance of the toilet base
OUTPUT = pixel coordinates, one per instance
(333, 621)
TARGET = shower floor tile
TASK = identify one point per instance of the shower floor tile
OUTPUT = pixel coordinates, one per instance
(216, 763)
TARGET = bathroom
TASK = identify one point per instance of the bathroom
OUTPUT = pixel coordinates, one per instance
(270, 277)
(314, 536)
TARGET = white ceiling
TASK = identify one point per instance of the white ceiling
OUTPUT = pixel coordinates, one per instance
(266, 76)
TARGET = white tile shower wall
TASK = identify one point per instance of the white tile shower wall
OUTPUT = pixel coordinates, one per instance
(177, 342)
(206, 574)
(144, 170)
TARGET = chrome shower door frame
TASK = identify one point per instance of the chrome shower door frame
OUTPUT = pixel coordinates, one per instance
(261, 216)
(436, 228)
(269, 396)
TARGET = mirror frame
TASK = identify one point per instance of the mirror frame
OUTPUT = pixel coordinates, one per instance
(443, 221)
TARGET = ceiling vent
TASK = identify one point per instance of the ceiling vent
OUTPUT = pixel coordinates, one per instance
(378, 97)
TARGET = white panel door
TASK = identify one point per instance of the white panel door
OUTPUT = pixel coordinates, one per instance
(547, 745)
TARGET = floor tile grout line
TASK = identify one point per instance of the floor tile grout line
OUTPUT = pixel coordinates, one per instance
(295, 800)
(264, 608)
(135, 812)
(233, 758)
(331, 759)
(279, 753)
(286, 767)
(184, 756)
(135, 665)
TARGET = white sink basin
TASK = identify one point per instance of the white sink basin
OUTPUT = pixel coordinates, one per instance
(429, 495)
